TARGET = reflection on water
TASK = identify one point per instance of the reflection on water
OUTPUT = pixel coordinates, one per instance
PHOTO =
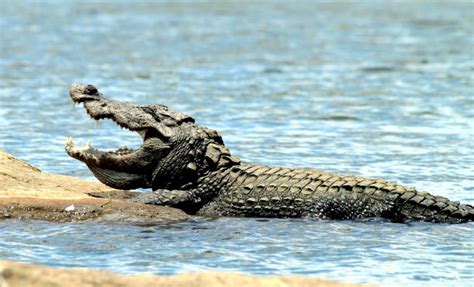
(369, 88)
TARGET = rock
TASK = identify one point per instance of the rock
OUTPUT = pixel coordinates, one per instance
(70, 208)
(28, 193)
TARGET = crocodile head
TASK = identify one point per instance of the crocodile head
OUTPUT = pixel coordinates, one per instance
(174, 154)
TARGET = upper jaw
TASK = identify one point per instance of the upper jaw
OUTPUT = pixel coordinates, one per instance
(127, 115)
(124, 114)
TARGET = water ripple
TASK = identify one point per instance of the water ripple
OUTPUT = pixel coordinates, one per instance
(377, 89)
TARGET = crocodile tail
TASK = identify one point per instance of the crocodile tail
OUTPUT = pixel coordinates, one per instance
(427, 207)
(399, 203)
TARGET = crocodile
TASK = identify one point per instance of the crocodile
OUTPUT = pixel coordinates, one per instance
(187, 166)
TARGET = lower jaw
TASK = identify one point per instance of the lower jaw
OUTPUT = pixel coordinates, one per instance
(118, 179)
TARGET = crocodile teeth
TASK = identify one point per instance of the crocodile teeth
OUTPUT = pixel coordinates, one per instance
(68, 142)
(70, 146)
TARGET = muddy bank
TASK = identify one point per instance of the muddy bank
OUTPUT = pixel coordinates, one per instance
(14, 274)
(28, 193)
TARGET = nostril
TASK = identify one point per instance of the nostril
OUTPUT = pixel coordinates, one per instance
(90, 90)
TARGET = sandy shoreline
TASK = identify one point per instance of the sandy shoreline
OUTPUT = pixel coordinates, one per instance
(13, 274)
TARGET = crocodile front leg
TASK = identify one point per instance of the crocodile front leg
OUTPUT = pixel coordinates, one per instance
(158, 197)
(186, 200)
(164, 197)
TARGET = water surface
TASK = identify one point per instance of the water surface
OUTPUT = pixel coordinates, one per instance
(369, 88)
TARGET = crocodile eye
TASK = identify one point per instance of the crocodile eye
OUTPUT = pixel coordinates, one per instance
(90, 90)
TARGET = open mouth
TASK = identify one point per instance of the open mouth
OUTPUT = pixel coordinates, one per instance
(98, 109)
(126, 168)
(126, 115)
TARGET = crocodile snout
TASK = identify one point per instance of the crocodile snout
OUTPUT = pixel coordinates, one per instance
(80, 92)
